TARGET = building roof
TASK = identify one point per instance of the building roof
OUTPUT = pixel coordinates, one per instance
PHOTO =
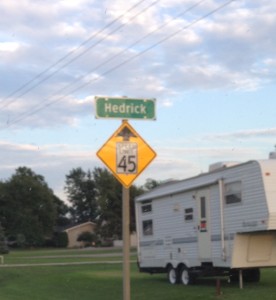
(79, 226)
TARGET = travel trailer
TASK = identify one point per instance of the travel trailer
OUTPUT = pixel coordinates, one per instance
(218, 223)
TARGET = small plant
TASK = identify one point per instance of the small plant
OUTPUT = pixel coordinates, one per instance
(3, 242)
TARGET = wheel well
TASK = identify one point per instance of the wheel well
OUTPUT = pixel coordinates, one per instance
(178, 268)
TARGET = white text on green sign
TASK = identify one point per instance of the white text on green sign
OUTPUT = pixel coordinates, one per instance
(125, 108)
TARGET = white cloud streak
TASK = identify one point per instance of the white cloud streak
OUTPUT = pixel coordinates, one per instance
(232, 49)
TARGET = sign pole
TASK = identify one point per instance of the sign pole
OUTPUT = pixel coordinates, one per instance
(126, 245)
(126, 154)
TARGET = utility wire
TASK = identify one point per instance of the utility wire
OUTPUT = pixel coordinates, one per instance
(144, 37)
(132, 45)
(38, 109)
(126, 49)
(123, 51)
(66, 56)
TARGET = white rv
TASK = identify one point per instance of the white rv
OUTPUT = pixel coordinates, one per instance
(216, 223)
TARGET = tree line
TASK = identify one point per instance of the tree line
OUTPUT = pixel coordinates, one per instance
(32, 215)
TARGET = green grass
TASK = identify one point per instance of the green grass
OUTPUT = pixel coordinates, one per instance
(61, 252)
(104, 281)
(64, 256)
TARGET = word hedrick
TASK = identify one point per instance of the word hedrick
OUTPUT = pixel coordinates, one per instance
(125, 108)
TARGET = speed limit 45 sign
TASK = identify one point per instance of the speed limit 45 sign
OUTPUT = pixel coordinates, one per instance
(126, 157)
(126, 154)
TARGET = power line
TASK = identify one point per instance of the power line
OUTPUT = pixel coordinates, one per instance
(66, 56)
(24, 116)
(38, 109)
(123, 51)
(147, 35)
(134, 44)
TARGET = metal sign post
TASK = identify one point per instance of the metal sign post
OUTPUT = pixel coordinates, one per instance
(126, 164)
(126, 245)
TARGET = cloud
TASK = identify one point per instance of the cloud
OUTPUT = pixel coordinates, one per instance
(246, 134)
(51, 161)
(9, 46)
(231, 49)
(176, 158)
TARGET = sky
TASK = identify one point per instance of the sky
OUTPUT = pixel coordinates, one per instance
(209, 64)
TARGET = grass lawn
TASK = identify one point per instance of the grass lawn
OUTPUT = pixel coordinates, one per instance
(104, 281)
(65, 256)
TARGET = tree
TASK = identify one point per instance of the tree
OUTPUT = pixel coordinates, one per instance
(109, 192)
(81, 193)
(109, 196)
(151, 184)
(97, 196)
(60, 239)
(28, 208)
(62, 218)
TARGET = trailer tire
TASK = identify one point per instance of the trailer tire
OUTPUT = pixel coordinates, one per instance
(172, 275)
(185, 276)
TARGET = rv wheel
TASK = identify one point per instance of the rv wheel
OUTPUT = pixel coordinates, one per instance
(185, 277)
(172, 275)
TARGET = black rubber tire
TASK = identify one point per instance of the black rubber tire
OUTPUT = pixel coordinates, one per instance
(172, 274)
(185, 276)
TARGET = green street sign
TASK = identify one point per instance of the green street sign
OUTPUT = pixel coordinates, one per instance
(125, 108)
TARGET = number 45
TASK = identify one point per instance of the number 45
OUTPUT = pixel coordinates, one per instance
(128, 164)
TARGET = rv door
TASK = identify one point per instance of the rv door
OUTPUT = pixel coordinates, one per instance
(204, 235)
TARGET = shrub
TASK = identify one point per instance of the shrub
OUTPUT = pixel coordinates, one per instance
(88, 238)
(3, 243)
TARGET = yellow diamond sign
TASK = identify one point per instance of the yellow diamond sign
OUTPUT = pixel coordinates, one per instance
(126, 154)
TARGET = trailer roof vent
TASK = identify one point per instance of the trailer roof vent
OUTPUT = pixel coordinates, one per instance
(272, 155)
(222, 165)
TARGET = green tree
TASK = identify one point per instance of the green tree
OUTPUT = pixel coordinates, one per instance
(62, 215)
(97, 196)
(109, 196)
(81, 193)
(109, 192)
(60, 239)
(151, 184)
(28, 208)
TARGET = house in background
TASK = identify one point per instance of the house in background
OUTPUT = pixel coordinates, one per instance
(74, 232)
(133, 241)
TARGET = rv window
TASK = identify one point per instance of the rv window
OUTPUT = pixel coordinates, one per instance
(146, 208)
(203, 207)
(233, 192)
(147, 227)
(189, 214)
